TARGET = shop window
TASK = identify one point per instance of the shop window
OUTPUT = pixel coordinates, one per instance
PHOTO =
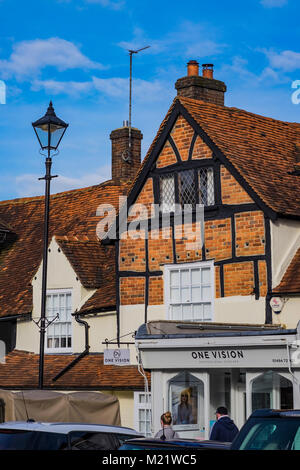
(142, 411)
(59, 336)
(186, 394)
(272, 390)
(189, 291)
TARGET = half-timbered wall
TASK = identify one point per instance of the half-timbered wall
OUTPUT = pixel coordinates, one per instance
(236, 234)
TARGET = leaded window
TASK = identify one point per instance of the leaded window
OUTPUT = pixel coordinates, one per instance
(167, 193)
(187, 188)
(206, 186)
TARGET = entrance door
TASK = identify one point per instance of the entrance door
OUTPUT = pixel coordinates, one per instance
(269, 390)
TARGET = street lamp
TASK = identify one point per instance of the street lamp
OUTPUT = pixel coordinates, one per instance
(49, 130)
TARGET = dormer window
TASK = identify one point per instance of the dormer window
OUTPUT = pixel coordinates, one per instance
(187, 187)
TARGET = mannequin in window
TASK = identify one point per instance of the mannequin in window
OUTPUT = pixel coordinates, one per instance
(184, 409)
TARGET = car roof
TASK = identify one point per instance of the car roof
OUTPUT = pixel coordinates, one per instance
(177, 442)
(65, 428)
(272, 413)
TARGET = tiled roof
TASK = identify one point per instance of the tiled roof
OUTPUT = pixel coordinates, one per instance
(21, 369)
(90, 260)
(72, 214)
(290, 283)
(262, 150)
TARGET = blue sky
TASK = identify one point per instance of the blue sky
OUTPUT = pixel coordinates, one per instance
(75, 52)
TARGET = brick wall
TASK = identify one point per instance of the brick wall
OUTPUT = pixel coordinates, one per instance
(232, 191)
(248, 227)
(182, 134)
(132, 290)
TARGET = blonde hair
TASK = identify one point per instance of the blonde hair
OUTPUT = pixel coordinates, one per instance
(166, 418)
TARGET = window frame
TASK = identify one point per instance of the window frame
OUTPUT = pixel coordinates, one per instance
(167, 293)
(142, 406)
(175, 174)
(60, 349)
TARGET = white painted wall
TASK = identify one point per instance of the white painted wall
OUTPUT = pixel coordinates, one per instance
(285, 241)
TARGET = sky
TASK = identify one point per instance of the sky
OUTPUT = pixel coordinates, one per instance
(75, 53)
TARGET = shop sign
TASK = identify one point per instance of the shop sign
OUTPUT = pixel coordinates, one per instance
(116, 357)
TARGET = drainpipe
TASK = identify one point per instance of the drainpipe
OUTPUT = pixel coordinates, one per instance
(81, 355)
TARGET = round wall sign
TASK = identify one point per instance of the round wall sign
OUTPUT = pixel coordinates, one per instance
(276, 304)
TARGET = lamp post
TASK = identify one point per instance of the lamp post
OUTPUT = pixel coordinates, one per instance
(49, 131)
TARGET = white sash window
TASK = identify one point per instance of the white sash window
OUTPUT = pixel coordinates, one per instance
(189, 291)
(59, 333)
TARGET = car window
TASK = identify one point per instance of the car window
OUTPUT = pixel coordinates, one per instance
(11, 439)
(124, 437)
(82, 440)
(270, 434)
(296, 443)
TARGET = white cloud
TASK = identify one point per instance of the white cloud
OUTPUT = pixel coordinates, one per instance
(190, 39)
(56, 87)
(273, 3)
(28, 185)
(30, 57)
(285, 60)
(115, 5)
(113, 87)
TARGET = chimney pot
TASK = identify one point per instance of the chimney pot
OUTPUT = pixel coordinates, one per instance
(192, 68)
(208, 70)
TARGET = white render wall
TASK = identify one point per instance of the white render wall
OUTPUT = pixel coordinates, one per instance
(285, 241)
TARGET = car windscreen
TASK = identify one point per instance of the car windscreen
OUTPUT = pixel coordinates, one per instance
(12, 439)
(269, 434)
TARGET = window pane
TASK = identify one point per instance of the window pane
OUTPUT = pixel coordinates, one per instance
(196, 294)
(206, 187)
(207, 312)
(186, 184)
(205, 275)
(167, 193)
(174, 277)
(196, 276)
(175, 295)
(187, 312)
(198, 312)
(185, 294)
(206, 293)
(185, 277)
(176, 312)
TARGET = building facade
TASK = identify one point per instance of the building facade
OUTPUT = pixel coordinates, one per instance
(204, 230)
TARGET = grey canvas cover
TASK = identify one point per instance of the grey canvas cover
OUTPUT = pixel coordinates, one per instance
(52, 406)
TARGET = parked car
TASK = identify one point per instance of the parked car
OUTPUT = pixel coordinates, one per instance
(268, 429)
(172, 444)
(62, 436)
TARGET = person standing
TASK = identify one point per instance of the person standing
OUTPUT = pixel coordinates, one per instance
(166, 432)
(224, 428)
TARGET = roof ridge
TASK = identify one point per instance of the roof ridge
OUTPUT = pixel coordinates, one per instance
(29, 199)
(233, 108)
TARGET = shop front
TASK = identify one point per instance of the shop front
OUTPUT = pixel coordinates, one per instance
(196, 367)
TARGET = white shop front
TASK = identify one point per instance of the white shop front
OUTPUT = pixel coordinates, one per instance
(196, 367)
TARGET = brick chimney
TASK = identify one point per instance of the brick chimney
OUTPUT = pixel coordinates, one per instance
(204, 87)
(126, 159)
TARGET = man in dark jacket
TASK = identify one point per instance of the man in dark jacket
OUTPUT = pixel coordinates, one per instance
(224, 428)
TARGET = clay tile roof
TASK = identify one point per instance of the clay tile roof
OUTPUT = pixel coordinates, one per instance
(290, 283)
(90, 260)
(261, 149)
(21, 369)
(72, 214)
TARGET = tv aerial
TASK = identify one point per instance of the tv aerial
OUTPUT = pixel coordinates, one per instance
(127, 154)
